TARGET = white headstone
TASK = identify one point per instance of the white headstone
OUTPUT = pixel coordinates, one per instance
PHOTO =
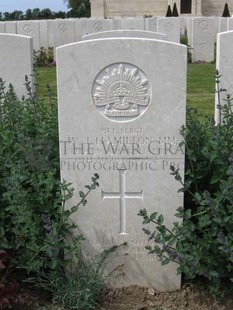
(203, 39)
(16, 61)
(116, 24)
(2, 27)
(224, 64)
(223, 24)
(81, 28)
(133, 23)
(11, 27)
(151, 24)
(171, 27)
(50, 33)
(44, 34)
(230, 24)
(98, 25)
(126, 33)
(63, 32)
(30, 29)
(120, 114)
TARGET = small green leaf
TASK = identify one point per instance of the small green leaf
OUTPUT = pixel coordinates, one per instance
(81, 194)
(197, 197)
(160, 219)
(214, 179)
(153, 216)
(213, 156)
(165, 262)
(214, 273)
(181, 190)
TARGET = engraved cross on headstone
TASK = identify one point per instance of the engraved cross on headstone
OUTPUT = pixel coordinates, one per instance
(122, 195)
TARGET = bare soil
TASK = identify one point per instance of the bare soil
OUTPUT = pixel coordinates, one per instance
(192, 296)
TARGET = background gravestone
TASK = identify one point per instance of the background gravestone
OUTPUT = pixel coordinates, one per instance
(63, 32)
(171, 27)
(11, 27)
(2, 27)
(98, 25)
(223, 24)
(120, 115)
(116, 24)
(44, 34)
(126, 33)
(30, 29)
(151, 24)
(203, 38)
(133, 23)
(50, 33)
(81, 28)
(224, 64)
(230, 24)
(15, 65)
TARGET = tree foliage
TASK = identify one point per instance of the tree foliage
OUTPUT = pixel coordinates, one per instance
(78, 8)
(226, 12)
(31, 14)
(169, 11)
(175, 11)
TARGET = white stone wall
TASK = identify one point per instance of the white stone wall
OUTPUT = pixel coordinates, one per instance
(215, 7)
(136, 8)
(133, 8)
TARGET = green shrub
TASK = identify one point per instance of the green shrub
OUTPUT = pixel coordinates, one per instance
(201, 245)
(43, 57)
(36, 231)
(29, 174)
(184, 41)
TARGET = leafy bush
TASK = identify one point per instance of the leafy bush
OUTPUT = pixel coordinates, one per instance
(36, 231)
(202, 245)
(184, 41)
(76, 286)
(29, 175)
(43, 57)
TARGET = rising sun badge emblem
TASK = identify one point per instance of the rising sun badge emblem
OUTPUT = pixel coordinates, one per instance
(121, 92)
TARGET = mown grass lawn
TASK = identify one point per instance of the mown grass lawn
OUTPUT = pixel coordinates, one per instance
(200, 86)
(46, 76)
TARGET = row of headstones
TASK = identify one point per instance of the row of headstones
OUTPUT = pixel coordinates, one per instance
(17, 65)
(54, 33)
(201, 31)
(120, 114)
